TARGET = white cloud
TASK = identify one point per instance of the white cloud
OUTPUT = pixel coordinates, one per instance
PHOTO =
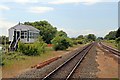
(40, 9)
(87, 2)
(4, 26)
(2, 7)
(25, 1)
(21, 1)
(64, 1)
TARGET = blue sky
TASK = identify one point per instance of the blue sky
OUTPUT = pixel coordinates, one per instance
(75, 17)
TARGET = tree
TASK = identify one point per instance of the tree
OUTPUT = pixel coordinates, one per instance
(118, 42)
(61, 33)
(61, 43)
(111, 35)
(80, 36)
(118, 38)
(100, 38)
(118, 33)
(4, 40)
(47, 31)
(91, 37)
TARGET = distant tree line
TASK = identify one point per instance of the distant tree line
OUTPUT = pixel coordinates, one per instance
(59, 39)
(114, 35)
(47, 31)
(49, 35)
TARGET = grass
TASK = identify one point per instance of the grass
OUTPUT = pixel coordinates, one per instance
(21, 63)
(110, 43)
(15, 66)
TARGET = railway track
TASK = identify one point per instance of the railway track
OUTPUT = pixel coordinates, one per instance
(114, 51)
(65, 70)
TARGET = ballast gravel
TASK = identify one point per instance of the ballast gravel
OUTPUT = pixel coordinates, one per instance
(88, 67)
(42, 72)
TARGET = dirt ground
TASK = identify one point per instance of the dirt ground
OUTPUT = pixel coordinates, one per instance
(18, 67)
(108, 65)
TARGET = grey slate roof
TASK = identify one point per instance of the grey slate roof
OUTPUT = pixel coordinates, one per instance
(24, 27)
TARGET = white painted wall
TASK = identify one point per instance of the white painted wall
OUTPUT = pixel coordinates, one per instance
(11, 34)
(31, 40)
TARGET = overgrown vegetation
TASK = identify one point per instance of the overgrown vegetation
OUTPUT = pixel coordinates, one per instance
(118, 38)
(61, 43)
(5, 57)
(111, 35)
(48, 36)
(114, 36)
(4, 40)
(47, 31)
(84, 39)
(34, 49)
(91, 37)
(59, 39)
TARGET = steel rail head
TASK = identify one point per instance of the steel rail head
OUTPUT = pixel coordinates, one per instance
(77, 64)
(69, 59)
(114, 51)
(61, 65)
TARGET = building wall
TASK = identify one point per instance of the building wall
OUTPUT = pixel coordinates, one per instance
(32, 38)
(11, 34)
(25, 40)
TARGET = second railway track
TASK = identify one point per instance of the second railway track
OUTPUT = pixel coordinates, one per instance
(114, 51)
(65, 70)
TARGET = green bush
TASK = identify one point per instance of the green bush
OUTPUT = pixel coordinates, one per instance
(35, 48)
(112, 41)
(2, 59)
(75, 42)
(61, 43)
(80, 41)
(118, 42)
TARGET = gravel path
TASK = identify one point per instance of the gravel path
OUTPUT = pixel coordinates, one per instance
(40, 73)
(88, 68)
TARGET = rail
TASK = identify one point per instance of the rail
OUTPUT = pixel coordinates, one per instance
(16, 43)
(114, 51)
(10, 44)
(77, 56)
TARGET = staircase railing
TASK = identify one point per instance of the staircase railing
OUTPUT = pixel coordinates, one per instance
(10, 44)
(16, 43)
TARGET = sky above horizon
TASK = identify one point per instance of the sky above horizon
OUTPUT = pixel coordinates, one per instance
(75, 17)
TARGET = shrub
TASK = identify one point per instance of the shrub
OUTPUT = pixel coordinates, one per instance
(118, 42)
(75, 42)
(111, 41)
(79, 41)
(70, 41)
(2, 60)
(36, 48)
(61, 43)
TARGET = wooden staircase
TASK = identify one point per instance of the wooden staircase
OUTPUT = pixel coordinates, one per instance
(14, 45)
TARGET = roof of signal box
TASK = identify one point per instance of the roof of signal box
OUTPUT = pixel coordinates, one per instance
(20, 26)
